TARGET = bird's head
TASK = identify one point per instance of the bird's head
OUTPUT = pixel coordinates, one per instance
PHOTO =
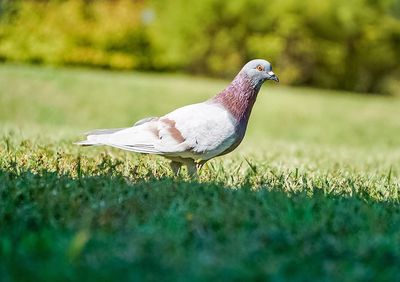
(258, 71)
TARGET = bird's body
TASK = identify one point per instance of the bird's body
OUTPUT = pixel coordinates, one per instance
(196, 133)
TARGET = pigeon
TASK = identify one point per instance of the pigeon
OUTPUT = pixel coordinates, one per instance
(193, 134)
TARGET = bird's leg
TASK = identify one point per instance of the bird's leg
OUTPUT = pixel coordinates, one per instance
(192, 168)
(176, 167)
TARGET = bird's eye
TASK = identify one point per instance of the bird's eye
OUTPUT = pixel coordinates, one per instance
(260, 68)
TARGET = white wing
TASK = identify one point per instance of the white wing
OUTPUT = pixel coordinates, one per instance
(208, 128)
(199, 131)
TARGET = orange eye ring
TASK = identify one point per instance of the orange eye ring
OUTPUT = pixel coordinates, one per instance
(260, 68)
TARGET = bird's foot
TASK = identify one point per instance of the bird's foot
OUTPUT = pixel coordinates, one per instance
(176, 167)
(192, 170)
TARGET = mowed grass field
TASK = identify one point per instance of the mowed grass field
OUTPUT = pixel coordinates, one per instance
(312, 194)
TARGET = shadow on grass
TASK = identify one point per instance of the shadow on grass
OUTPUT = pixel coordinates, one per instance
(54, 227)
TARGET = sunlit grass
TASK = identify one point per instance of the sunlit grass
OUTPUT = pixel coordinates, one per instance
(311, 194)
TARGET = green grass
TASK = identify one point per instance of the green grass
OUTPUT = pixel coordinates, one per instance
(311, 194)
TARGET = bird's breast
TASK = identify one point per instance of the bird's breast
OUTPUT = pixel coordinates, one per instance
(236, 138)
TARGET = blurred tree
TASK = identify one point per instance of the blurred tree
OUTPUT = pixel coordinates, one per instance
(98, 33)
(346, 44)
(342, 44)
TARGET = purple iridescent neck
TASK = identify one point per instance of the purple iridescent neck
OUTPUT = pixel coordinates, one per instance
(239, 97)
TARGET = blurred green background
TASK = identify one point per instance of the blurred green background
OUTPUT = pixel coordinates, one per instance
(338, 44)
(312, 194)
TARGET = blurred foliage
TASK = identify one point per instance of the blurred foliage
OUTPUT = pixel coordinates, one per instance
(347, 44)
(102, 33)
(343, 44)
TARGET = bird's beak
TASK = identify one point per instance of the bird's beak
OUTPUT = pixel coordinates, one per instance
(272, 76)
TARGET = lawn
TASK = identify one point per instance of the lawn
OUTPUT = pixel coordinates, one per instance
(311, 194)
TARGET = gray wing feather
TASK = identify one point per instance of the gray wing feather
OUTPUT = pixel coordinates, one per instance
(113, 130)
(103, 131)
(144, 120)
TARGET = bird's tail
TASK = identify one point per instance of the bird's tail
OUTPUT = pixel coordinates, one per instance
(97, 137)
